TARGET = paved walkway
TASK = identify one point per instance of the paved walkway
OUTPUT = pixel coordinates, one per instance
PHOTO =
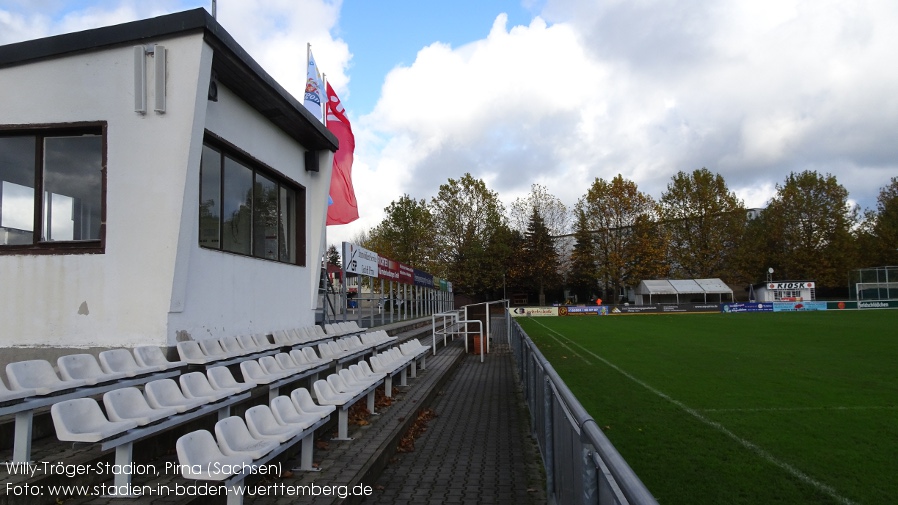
(477, 449)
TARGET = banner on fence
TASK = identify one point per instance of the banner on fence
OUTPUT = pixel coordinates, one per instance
(747, 307)
(533, 311)
(798, 306)
(880, 304)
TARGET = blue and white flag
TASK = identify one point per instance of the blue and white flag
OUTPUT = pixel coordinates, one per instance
(312, 99)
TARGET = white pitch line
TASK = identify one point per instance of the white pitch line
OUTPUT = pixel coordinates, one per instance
(802, 409)
(569, 349)
(751, 446)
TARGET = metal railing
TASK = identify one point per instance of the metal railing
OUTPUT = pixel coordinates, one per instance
(582, 467)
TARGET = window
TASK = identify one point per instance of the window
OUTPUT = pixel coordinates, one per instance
(247, 209)
(51, 189)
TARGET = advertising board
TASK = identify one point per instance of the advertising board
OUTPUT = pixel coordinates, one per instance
(798, 306)
(747, 307)
(533, 311)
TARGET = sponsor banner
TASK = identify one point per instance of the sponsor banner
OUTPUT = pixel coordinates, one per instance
(406, 274)
(387, 269)
(358, 260)
(840, 305)
(664, 308)
(423, 279)
(747, 307)
(790, 285)
(586, 310)
(879, 304)
(798, 306)
(533, 311)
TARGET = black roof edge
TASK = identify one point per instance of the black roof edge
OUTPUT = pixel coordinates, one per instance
(241, 65)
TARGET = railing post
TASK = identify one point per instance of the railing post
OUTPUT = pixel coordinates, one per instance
(548, 409)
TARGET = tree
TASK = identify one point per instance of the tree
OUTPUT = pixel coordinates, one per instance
(808, 227)
(884, 248)
(468, 235)
(612, 209)
(583, 278)
(648, 251)
(406, 233)
(333, 255)
(705, 222)
(540, 256)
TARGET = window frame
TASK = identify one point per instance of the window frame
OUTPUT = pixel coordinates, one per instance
(41, 132)
(225, 150)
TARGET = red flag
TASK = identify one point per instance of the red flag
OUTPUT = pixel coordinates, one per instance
(344, 209)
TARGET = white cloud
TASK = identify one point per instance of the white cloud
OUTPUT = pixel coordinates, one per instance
(753, 90)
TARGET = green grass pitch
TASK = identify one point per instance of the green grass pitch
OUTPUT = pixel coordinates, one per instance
(786, 408)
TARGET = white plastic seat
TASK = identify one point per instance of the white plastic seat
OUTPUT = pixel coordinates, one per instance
(191, 352)
(234, 439)
(328, 396)
(271, 366)
(84, 367)
(364, 373)
(282, 339)
(340, 386)
(232, 346)
(263, 341)
(221, 378)
(37, 375)
(353, 382)
(129, 404)
(304, 404)
(196, 385)
(122, 361)
(288, 363)
(212, 347)
(150, 355)
(284, 412)
(252, 371)
(303, 335)
(331, 330)
(198, 450)
(248, 343)
(317, 331)
(8, 395)
(263, 425)
(313, 357)
(82, 420)
(165, 393)
(325, 351)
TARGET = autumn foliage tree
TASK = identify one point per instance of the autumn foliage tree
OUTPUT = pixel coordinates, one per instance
(704, 222)
(612, 209)
(807, 228)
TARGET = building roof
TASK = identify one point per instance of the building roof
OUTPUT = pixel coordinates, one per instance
(231, 64)
(682, 286)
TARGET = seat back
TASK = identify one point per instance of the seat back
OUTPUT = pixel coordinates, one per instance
(197, 449)
(222, 378)
(121, 361)
(281, 338)
(80, 366)
(286, 361)
(163, 392)
(261, 421)
(252, 371)
(190, 350)
(150, 355)
(125, 403)
(248, 343)
(196, 385)
(262, 340)
(311, 355)
(232, 346)
(212, 347)
(32, 374)
(233, 436)
(271, 366)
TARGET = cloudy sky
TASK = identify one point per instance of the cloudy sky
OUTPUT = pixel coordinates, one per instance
(559, 92)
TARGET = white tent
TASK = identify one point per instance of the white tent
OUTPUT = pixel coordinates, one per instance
(670, 290)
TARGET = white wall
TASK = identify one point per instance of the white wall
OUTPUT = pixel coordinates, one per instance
(122, 297)
(227, 294)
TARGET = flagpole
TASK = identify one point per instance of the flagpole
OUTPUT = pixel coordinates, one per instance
(326, 99)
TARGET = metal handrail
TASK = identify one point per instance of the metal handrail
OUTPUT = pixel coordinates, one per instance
(604, 476)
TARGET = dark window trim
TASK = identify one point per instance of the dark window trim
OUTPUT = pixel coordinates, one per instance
(227, 149)
(59, 247)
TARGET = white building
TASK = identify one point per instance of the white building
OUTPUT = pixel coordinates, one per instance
(786, 291)
(156, 185)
